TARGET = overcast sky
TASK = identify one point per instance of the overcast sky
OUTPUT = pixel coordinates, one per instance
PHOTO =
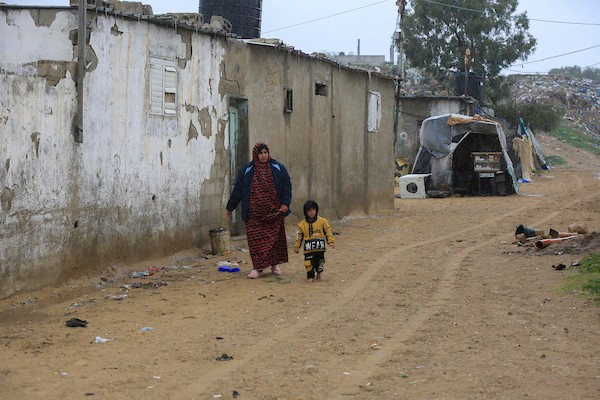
(338, 25)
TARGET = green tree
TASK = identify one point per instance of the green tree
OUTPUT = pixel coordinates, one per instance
(539, 117)
(437, 34)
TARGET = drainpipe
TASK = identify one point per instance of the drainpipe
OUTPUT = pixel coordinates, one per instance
(81, 36)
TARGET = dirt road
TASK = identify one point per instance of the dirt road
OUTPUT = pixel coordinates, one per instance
(432, 300)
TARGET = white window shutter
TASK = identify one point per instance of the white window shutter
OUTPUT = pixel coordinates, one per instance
(374, 118)
(163, 87)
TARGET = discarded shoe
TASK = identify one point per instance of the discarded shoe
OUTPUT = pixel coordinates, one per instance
(76, 322)
(275, 270)
(255, 274)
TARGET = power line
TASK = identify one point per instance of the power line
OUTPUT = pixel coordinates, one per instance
(531, 19)
(453, 6)
(427, 1)
(460, 8)
(526, 72)
(327, 16)
(564, 22)
(560, 55)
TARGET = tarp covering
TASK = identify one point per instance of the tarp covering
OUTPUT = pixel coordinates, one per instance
(447, 144)
(527, 153)
(523, 148)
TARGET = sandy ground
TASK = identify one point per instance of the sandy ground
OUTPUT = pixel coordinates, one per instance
(432, 300)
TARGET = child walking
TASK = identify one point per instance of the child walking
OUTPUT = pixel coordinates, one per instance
(314, 231)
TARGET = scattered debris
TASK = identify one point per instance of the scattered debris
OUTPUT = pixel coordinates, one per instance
(117, 297)
(224, 357)
(148, 285)
(175, 267)
(527, 236)
(559, 267)
(527, 231)
(578, 228)
(140, 274)
(540, 244)
(228, 266)
(76, 323)
(75, 305)
(556, 234)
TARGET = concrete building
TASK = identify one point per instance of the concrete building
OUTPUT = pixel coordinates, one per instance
(134, 157)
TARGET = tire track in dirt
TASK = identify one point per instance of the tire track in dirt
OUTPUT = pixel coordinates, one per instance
(440, 298)
(442, 295)
(369, 364)
(445, 287)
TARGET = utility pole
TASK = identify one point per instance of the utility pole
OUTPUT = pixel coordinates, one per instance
(398, 37)
(397, 42)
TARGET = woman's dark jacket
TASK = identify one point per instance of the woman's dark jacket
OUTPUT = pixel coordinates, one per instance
(241, 189)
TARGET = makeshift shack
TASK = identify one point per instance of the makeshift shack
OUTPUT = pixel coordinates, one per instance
(465, 155)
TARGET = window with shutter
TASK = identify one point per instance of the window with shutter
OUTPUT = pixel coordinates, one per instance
(374, 117)
(163, 87)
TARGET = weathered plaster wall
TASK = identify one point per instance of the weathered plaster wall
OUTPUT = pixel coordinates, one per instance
(324, 142)
(36, 147)
(139, 185)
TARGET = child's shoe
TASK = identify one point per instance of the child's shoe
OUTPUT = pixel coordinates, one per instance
(275, 270)
(321, 266)
(255, 274)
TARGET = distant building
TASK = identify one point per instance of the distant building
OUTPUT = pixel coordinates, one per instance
(358, 59)
(374, 61)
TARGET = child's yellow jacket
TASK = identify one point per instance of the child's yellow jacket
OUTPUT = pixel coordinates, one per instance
(314, 235)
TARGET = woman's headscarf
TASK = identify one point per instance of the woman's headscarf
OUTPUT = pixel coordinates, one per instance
(258, 147)
(263, 197)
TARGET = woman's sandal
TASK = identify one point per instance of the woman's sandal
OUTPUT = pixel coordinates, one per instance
(255, 273)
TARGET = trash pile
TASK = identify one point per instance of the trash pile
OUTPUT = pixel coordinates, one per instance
(578, 98)
(526, 236)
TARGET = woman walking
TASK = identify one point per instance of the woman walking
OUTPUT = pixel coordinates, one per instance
(264, 188)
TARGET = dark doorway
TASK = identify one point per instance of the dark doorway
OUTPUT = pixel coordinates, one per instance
(238, 150)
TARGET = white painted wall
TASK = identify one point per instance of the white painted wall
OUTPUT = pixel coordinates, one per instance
(136, 184)
(35, 124)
